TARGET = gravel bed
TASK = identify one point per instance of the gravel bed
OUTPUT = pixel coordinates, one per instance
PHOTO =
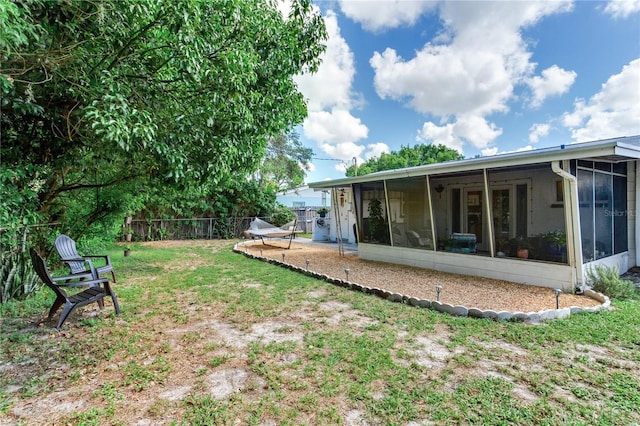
(469, 291)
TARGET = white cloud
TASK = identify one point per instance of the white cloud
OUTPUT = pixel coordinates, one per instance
(487, 152)
(330, 86)
(537, 131)
(553, 81)
(472, 74)
(521, 149)
(335, 126)
(443, 80)
(344, 151)
(375, 149)
(613, 111)
(382, 15)
(330, 98)
(471, 129)
(622, 8)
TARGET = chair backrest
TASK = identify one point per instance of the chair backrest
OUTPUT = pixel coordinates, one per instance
(66, 248)
(43, 272)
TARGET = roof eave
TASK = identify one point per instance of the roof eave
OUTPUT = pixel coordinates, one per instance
(612, 147)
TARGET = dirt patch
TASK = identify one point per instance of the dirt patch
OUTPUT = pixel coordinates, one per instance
(469, 291)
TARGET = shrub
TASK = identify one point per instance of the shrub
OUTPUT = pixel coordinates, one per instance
(282, 215)
(606, 280)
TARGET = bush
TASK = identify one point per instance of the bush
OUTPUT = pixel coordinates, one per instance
(17, 278)
(606, 280)
(281, 215)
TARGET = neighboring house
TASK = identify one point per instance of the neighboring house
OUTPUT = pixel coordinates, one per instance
(304, 197)
(304, 201)
(541, 217)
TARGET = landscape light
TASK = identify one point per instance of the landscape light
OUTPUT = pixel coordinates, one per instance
(282, 256)
(438, 290)
(346, 271)
(307, 263)
(557, 292)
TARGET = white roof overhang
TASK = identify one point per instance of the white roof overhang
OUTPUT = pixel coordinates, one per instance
(610, 150)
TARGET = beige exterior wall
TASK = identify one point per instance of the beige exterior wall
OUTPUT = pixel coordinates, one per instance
(542, 274)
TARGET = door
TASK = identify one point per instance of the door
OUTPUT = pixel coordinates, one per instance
(502, 217)
(474, 214)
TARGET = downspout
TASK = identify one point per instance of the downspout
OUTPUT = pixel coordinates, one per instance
(572, 221)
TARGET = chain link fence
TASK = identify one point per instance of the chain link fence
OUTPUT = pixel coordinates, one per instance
(207, 228)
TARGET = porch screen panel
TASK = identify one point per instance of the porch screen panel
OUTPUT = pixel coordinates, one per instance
(620, 216)
(409, 213)
(522, 209)
(456, 214)
(373, 218)
(603, 192)
(585, 198)
(357, 201)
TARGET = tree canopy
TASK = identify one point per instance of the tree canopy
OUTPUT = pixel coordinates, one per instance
(105, 102)
(417, 155)
(286, 162)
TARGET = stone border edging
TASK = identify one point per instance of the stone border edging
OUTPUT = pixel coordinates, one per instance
(455, 310)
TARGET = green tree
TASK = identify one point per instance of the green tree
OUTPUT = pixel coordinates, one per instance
(286, 162)
(417, 155)
(104, 100)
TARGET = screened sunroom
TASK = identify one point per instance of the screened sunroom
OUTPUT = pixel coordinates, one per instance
(541, 217)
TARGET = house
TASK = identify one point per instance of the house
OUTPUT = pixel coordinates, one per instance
(305, 202)
(542, 217)
(303, 197)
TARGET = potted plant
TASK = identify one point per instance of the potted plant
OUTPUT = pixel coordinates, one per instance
(127, 232)
(555, 244)
(322, 211)
(378, 228)
(523, 248)
(127, 250)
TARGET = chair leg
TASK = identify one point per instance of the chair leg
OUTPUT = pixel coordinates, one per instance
(56, 304)
(68, 307)
(115, 303)
(113, 274)
(111, 293)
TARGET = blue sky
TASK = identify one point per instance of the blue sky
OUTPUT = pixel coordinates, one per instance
(482, 77)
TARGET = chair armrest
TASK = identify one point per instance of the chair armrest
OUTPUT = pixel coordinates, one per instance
(106, 257)
(68, 279)
(72, 259)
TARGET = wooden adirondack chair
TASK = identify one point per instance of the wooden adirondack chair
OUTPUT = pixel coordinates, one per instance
(66, 248)
(98, 288)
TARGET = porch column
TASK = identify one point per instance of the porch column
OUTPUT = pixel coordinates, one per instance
(387, 206)
(637, 211)
(487, 201)
(572, 219)
(430, 207)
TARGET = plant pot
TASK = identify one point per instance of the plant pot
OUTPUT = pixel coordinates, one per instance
(127, 237)
(523, 253)
(127, 253)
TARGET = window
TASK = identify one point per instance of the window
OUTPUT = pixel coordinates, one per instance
(602, 195)
(371, 202)
(409, 213)
(559, 192)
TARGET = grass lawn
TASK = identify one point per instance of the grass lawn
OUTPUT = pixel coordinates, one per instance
(207, 336)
